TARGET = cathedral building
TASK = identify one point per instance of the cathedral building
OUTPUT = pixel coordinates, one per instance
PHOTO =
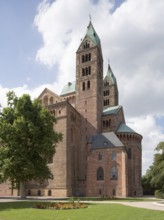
(99, 156)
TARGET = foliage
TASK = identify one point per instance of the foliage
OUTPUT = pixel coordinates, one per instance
(159, 194)
(23, 210)
(60, 205)
(27, 140)
(148, 189)
(155, 174)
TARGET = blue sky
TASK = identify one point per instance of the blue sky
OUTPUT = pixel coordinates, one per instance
(19, 42)
(39, 39)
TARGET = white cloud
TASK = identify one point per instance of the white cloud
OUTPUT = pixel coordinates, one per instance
(152, 135)
(132, 37)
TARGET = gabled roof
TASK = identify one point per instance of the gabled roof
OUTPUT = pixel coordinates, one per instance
(123, 128)
(68, 88)
(104, 140)
(112, 110)
(110, 76)
(46, 90)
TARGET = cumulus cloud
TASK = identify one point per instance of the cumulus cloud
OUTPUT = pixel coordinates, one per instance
(152, 135)
(132, 37)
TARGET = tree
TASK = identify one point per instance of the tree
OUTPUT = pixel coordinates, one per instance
(157, 169)
(155, 173)
(27, 141)
(148, 189)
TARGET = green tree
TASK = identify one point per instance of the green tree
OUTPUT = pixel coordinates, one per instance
(148, 189)
(27, 141)
(157, 169)
(154, 177)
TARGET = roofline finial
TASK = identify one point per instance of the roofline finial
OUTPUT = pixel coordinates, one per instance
(108, 62)
(90, 18)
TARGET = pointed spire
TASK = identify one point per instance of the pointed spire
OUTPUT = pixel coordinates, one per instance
(110, 76)
(91, 33)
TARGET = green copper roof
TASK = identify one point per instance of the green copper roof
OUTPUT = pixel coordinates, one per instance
(68, 88)
(110, 77)
(111, 110)
(123, 128)
(91, 33)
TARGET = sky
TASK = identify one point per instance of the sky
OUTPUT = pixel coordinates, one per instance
(39, 40)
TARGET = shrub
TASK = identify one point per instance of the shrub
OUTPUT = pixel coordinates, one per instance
(61, 205)
(159, 194)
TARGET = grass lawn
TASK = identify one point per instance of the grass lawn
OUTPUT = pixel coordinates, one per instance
(24, 211)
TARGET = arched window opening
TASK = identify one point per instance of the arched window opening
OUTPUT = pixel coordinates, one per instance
(100, 192)
(86, 57)
(45, 100)
(107, 123)
(83, 86)
(51, 100)
(86, 71)
(39, 193)
(49, 192)
(89, 72)
(113, 155)
(114, 173)
(129, 153)
(89, 56)
(99, 156)
(114, 192)
(88, 85)
(104, 124)
(83, 59)
(83, 72)
(100, 173)
(86, 45)
(29, 192)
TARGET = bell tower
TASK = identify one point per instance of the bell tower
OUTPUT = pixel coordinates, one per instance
(89, 92)
(89, 80)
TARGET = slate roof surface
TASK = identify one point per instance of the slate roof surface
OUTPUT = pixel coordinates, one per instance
(104, 140)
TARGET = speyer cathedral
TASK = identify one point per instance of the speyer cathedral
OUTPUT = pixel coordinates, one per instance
(99, 154)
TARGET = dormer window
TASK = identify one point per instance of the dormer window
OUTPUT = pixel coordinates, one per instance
(105, 143)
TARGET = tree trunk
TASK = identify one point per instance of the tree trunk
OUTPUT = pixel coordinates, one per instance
(23, 190)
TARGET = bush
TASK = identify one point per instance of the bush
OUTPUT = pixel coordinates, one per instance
(61, 206)
(159, 194)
